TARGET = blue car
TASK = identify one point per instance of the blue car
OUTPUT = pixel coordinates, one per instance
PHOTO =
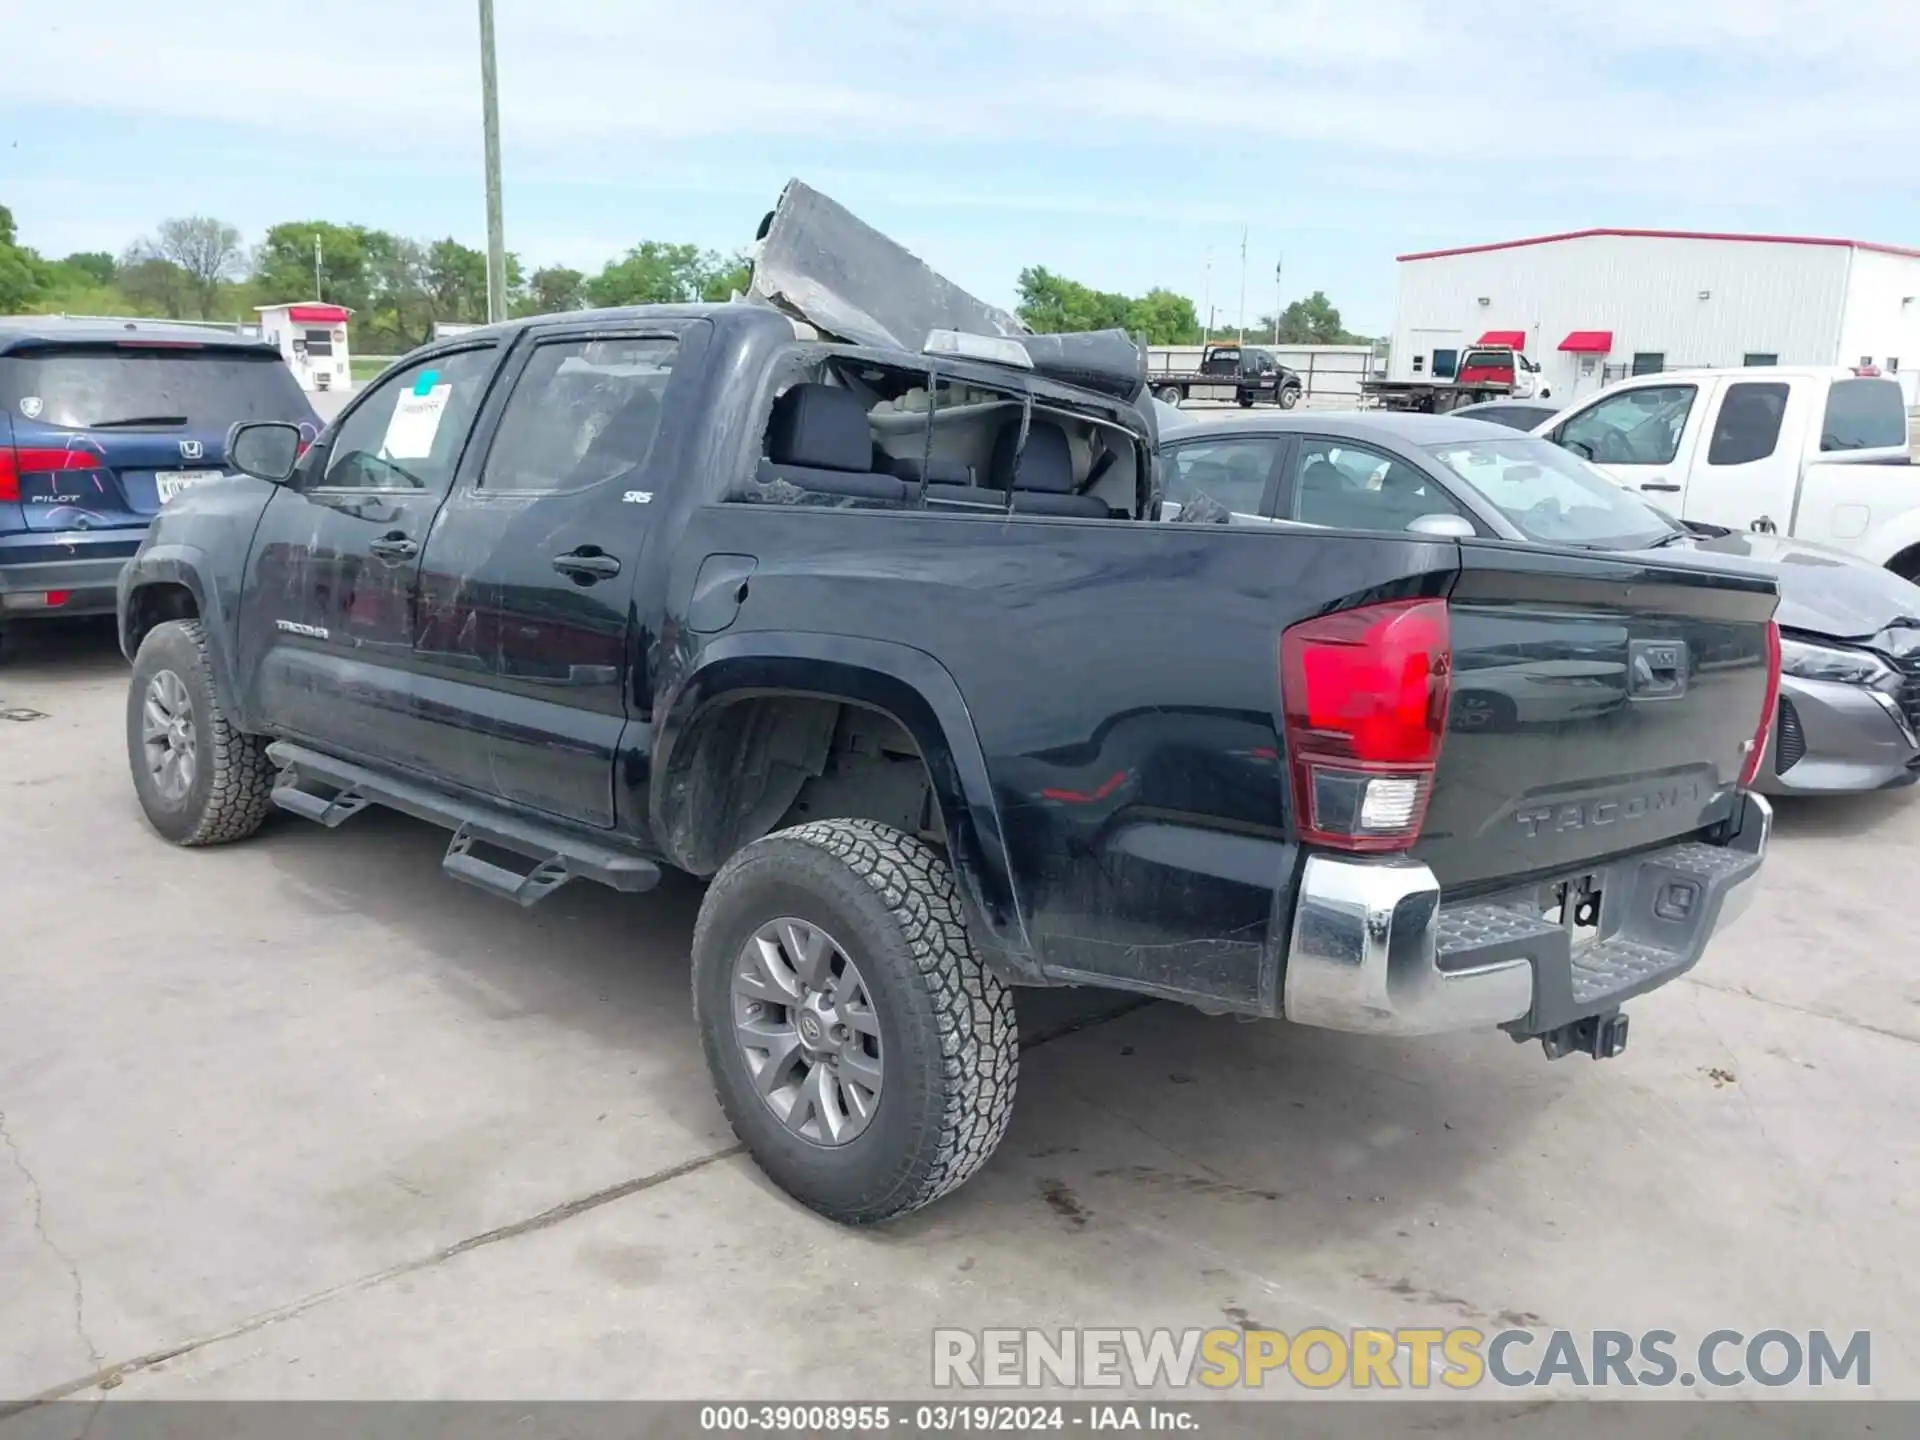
(101, 423)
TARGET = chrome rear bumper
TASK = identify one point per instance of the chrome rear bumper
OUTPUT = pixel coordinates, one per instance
(1374, 949)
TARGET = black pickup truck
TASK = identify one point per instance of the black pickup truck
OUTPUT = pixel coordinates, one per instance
(1244, 374)
(889, 640)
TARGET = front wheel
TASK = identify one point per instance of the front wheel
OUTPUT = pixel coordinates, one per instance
(861, 1052)
(1289, 397)
(200, 780)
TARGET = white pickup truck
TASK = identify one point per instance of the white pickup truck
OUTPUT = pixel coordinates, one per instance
(1815, 452)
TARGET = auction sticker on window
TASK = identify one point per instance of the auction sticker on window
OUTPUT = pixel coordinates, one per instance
(415, 422)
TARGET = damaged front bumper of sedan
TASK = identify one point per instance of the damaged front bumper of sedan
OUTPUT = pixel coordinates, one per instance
(1849, 720)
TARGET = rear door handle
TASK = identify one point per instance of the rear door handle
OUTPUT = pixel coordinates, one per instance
(394, 547)
(587, 564)
(1665, 485)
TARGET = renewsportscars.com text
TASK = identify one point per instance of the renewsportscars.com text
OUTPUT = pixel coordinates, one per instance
(1460, 1358)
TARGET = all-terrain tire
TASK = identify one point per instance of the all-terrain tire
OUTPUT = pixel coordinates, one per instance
(232, 788)
(949, 1039)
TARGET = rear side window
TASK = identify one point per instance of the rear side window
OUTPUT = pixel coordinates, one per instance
(79, 388)
(1864, 415)
(583, 411)
(1749, 425)
(1232, 471)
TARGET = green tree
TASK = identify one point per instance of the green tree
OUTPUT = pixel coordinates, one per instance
(725, 276)
(283, 265)
(22, 272)
(1312, 321)
(155, 285)
(96, 265)
(1052, 303)
(456, 281)
(553, 289)
(206, 251)
(652, 273)
(1161, 317)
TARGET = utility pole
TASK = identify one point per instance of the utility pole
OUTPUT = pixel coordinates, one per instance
(490, 120)
(1206, 302)
(1243, 284)
(1278, 262)
(316, 267)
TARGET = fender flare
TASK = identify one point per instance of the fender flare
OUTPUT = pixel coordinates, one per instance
(185, 566)
(1882, 543)
(911, 688)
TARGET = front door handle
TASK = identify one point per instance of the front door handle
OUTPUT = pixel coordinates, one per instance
(394, 546)
(587, 564)
(1665, 485)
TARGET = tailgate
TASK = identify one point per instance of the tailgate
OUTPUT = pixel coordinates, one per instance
(105, 432)
(104, 480)
(1599, 706)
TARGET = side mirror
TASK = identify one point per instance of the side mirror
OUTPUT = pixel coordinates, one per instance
(265, 449)
(1449, 527)
(1578, 447)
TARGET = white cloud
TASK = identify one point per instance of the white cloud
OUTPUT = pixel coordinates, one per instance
(1074, 127)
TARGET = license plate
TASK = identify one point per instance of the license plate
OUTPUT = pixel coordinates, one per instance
(171, 482)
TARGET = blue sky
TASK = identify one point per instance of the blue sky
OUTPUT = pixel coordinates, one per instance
(1117, 141)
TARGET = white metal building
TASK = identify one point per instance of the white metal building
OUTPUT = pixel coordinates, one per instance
(313, 340)
(1594, 305)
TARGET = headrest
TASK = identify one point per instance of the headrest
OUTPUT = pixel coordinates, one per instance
(940, 471)
(821, 427)
(1045, 464)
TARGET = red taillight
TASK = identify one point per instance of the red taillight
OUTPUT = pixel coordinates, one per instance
(32, 460)
(1364, 698)
(1768, 707)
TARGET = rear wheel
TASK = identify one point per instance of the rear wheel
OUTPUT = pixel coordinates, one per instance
(1246, 400)
(1169, 395)
(862, 1053)
(201, 781)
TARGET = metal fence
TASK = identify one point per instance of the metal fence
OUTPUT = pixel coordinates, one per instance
(1327, 372)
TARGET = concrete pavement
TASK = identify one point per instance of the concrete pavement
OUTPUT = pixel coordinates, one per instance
(300, 1118)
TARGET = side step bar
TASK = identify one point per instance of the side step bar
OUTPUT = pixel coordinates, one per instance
(330, 792)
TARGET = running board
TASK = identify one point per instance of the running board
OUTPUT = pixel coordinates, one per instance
(330, 792)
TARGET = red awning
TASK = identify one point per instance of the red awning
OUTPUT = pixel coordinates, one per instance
(1588, 342)
(318, 314)
(1512, 339)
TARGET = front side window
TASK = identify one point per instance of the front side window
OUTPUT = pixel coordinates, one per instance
(1232, 471)
(407, 433)
(582, 412)
(1354, 487)
(1749, 425)
(1636, 427)
(1552, 496)
(1864, 415)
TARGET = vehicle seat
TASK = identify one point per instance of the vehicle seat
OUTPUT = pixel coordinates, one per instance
(820, 441)
(940, 471)
(1326, 496)
(623, 444)
(1044, 482)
